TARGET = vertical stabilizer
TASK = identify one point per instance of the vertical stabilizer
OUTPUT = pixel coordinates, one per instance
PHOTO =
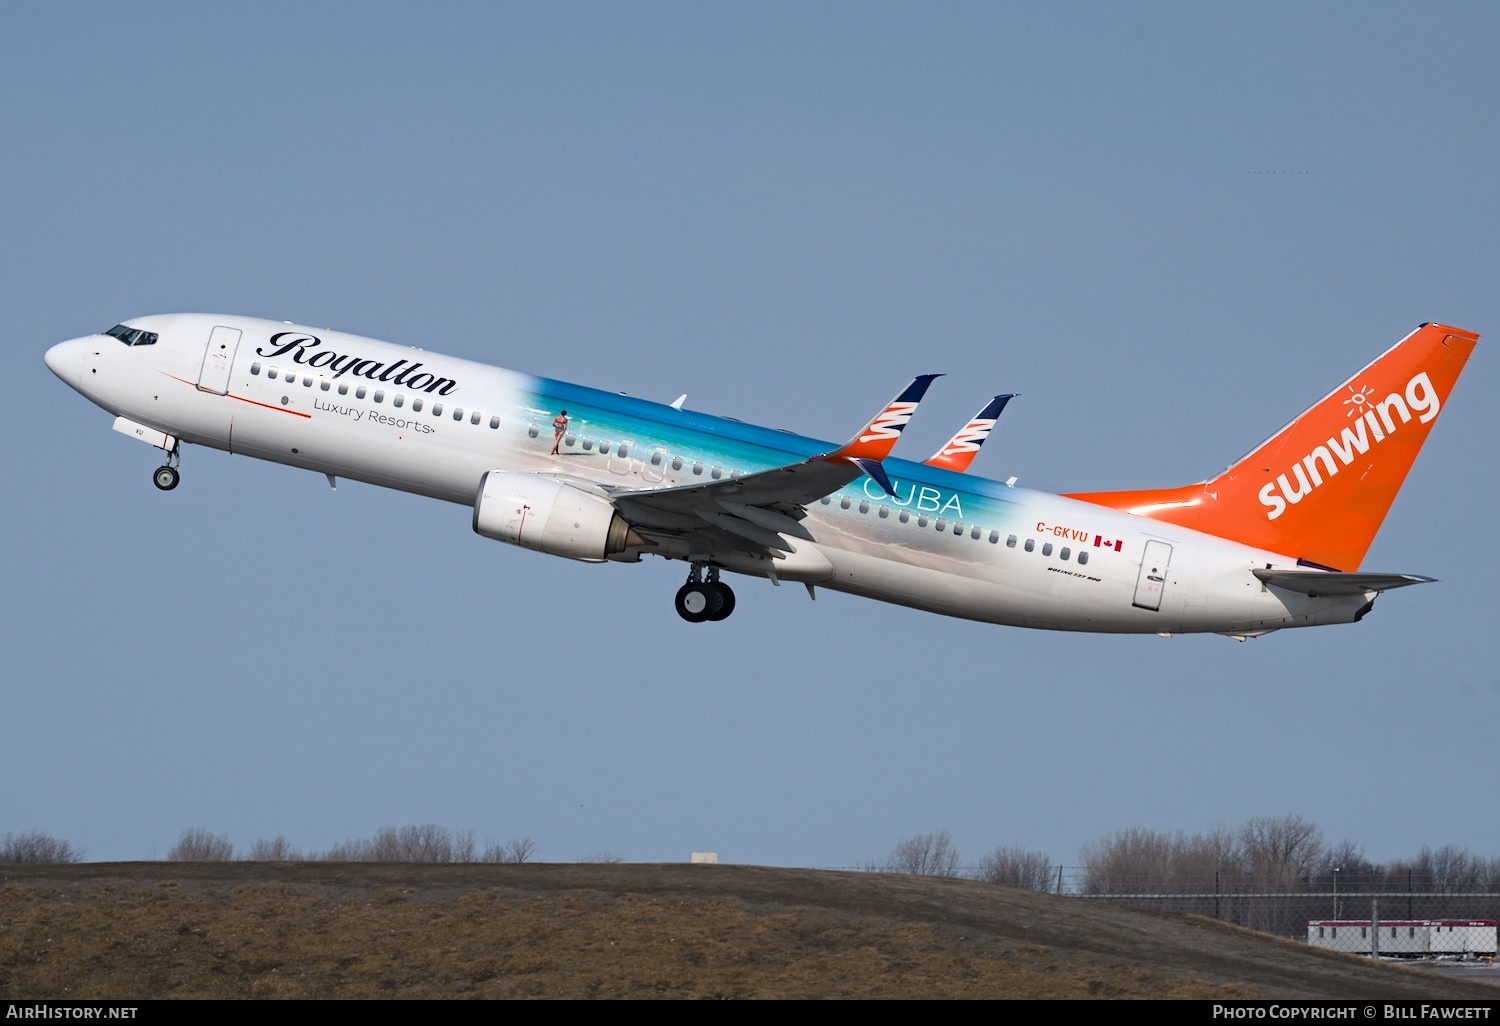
(1320, 487)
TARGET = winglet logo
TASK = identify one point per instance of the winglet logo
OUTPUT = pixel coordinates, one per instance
(888, 424)
(1372, 423)
(969, 439)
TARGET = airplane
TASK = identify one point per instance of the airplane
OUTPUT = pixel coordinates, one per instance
(959, 451)
(1274, 541)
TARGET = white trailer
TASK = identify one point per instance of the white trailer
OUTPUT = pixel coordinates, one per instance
(1406, 938)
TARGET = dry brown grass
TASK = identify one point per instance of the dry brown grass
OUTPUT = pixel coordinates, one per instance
(242, 931)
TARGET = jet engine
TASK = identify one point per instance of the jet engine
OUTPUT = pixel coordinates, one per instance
(543, 513)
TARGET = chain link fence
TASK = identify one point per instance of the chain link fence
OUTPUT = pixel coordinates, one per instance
(1385, 922)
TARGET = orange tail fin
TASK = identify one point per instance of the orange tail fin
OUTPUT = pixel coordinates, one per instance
(1319, 488)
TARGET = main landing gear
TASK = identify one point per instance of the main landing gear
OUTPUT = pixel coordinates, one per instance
(166, 476)
(699, 600)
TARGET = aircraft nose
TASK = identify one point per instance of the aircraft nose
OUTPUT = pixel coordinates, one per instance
(66, 360)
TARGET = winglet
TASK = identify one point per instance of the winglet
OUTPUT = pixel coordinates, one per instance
(960, 450)
(877, 438)
(876, 470)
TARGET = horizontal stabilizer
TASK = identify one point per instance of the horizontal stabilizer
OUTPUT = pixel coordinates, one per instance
(1325, 582)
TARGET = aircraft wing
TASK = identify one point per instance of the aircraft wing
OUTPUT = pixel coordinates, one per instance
(1329, 582)
(758, 508)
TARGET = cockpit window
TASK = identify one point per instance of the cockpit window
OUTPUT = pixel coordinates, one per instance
(132, 336)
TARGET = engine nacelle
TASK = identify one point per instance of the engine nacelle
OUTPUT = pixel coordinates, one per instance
(548, 515)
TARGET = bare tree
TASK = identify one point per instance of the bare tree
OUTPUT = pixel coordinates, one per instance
(517, 849)
(929, 854)
(278, 849)
(1449, 868)
(36, 847)
(427, 842)
(1131, 861)
(1017, 867)
(359, 850)
(1281, 851)
(605, 856)
(198, 844)
(1347, 861)
(1208, 862)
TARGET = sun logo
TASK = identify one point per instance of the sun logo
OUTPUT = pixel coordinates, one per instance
(1359, 400)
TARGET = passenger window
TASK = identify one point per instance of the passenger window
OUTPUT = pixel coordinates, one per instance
(255, 369)
(1030, 545)
(474, 417)
(1047, 549)
(416, 405)
(656, 458)
(1064, 553)
(905, 517)
(922, 520)
(398, 400)
(271, 373)
(676, 462)
(697, 468)
(844, 502)
(976, 532)
(359, 393)
(716, 473)
(588, 444)
(495, 421)
(458, 413)
(604, 448)
(864, 506)
(380, 395)
(735, 475)
(324, 385)
(994, 537)
(623, 450)
(343, 389)
(885, 511)
(1083, 557)
(437, 409)
(307, 381)
(825, 500)
(941, 525)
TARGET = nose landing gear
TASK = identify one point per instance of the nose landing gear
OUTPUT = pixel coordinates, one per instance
(166, 476)
(699, 600)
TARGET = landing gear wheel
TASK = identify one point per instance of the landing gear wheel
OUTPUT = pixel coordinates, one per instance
(166, 478)
(726, 601)
(697, 602)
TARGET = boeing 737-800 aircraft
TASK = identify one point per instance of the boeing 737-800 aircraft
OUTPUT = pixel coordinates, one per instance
(1274, 541)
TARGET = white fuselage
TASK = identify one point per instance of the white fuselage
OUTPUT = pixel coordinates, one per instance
(402, 418)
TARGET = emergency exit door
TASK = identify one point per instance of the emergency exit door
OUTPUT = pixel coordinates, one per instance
(218, 357)
(1153, 576)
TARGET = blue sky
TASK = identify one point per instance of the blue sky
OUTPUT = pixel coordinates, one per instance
(1171, 227)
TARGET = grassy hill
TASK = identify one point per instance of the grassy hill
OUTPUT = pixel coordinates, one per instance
(358, 930)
